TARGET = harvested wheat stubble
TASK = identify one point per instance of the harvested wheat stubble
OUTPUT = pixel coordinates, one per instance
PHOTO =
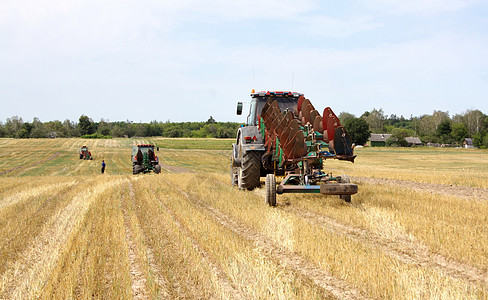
(27, 275)
(33, 164)
(139, 290)
(298, 264)
(471, 193)
(222, 278)
(401, 248)
(139, 280)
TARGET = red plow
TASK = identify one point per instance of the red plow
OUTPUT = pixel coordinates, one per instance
(297, 143)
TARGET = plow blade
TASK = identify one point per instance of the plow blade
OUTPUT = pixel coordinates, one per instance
(290, 130)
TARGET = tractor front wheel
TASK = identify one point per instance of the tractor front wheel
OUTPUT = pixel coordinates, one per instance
(157, 169)
(248, 175)
(270, 184)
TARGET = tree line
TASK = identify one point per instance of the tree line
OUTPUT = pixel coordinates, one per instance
(15, 127)
(439, 127)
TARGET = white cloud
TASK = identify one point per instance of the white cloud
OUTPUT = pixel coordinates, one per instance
(332, 27)
(423, 7)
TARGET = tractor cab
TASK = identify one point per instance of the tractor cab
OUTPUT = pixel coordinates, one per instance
(286, 101)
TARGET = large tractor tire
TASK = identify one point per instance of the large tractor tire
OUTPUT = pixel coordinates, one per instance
(248, 175)
(270, 184)
(157, 169)
(136, 169)
(345, 179)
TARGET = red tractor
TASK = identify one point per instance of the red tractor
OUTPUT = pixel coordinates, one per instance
(85, 154)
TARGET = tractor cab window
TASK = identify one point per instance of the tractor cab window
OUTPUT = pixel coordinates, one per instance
(251, 118)
(258, 103)
(288, 103)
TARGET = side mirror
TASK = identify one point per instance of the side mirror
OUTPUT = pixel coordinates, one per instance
(157, 149)
(239, 108)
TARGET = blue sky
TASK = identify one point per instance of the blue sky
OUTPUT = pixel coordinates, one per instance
(186, 60)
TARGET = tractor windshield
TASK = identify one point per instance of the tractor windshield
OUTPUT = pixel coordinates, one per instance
(257, 104)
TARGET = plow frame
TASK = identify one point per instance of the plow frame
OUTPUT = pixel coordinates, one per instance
(329, 186)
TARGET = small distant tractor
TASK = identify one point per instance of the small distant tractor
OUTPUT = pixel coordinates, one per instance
(285, 136)
(144, 159)
(85, 154)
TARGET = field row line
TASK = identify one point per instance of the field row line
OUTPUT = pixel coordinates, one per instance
(336, 287)
(27, 276)
(221, 276)
(401, 248)
(154, 268)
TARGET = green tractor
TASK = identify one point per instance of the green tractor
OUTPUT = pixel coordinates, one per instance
(85, 154)
(144, 159)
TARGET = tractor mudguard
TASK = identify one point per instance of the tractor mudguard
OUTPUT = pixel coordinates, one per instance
(250, 138)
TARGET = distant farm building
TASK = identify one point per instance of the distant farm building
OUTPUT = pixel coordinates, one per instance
(379, 140)
(468, 143)
(413, 141)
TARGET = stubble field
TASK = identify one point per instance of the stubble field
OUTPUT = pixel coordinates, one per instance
(417, 229)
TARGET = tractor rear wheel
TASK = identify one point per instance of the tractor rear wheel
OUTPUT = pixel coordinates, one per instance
(136, 169)
(248, 175)
(270, 184)
(345, 179)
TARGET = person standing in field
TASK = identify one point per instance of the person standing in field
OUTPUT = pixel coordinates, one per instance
(103, 166)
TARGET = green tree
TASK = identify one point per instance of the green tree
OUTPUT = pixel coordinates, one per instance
(13, 126)
(474, 121)
(358, 129)
(345, 116)
(86, 125)
(103, 127)
(25, 131)
(117, 131)
(3, 133)
(175, 132)
(459, 132)
(478, 140)
(37, 129)
(376, 120)
(444, 130)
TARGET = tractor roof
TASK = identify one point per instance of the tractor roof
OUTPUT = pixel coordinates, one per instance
(276, 93)
(145, 145)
